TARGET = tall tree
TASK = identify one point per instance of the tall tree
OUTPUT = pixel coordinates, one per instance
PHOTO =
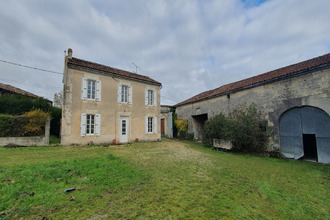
(58, 99)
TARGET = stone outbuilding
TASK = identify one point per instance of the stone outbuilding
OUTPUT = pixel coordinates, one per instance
(295, 100)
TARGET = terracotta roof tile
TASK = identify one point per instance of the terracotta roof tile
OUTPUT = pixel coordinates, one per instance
(74, 62)
(261, 79)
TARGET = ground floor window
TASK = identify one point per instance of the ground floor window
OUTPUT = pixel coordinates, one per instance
(90, 124)
(151, 125)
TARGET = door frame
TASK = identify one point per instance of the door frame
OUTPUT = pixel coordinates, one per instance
(124, 138)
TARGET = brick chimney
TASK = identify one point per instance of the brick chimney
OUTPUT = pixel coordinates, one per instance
(69, 53)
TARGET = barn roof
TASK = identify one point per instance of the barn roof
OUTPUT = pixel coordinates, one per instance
(268, 77)
(78, 63)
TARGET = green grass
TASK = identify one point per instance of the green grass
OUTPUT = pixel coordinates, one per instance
(163, 180)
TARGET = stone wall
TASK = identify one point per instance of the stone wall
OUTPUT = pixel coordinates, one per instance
(273, 99)
(29, 141)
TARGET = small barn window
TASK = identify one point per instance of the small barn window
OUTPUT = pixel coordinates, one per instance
(228, 96)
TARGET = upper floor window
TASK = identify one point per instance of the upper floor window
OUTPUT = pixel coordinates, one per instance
(150, 97)
(90, 89)
(125, 94)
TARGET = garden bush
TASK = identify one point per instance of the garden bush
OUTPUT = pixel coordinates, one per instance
(29, 124)
(182, 129)
(19, 104)
(215, 128)
(244, 127)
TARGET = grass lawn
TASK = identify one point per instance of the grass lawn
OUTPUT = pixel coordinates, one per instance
(164, 180)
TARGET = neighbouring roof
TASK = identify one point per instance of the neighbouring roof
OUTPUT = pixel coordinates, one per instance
(16, 90)
(78, 63)
(278, 74)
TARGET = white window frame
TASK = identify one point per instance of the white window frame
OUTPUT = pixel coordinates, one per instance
(150, 125)
(150, 97)
(90, 89)
(87, 124)
(124, 94)
(90, 124)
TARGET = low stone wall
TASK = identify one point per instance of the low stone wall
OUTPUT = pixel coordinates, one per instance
(219, 143)
(29, 141)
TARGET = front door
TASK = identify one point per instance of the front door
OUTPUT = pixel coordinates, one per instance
(124, 129)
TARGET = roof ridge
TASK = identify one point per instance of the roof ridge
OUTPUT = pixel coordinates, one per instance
(108, 69)
(264, 77)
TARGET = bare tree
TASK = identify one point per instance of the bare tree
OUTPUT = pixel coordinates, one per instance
(58, 99)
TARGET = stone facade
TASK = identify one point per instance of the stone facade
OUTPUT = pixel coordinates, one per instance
(105, 118)
(166, 121)
(273, 98)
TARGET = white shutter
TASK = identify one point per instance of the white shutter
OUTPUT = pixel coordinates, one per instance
(119, 93)
(98, 90)
(83, 124)
(130, 95)
(155, 98)
(98, 124)
(84, 88)
(155, 125)
(146, 97)
(146, 124)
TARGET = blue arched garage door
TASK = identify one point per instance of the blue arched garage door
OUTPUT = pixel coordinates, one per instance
(305, 133)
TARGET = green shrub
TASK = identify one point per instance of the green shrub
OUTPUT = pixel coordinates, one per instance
(36, 122)
(182, 128)
(215, 128)
(19, 104)
(248, 130)
(245, 128)
(29, 124)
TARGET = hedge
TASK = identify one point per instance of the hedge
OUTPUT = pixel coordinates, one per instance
(29, 124)
(19, 104)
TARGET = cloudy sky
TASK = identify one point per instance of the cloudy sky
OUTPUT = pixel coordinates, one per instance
(190, 46)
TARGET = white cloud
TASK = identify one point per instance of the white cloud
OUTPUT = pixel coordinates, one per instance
(189, 46)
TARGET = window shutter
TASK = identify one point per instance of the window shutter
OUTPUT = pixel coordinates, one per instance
(83, 124)
(146, 97)
(98, 90)
(130, 95)
(119, 93)
(98, 124)
(155, 98)
(83, 88)
(155, 125)
(146, 124)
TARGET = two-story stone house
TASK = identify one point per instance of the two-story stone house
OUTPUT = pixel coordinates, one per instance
(102, 104)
